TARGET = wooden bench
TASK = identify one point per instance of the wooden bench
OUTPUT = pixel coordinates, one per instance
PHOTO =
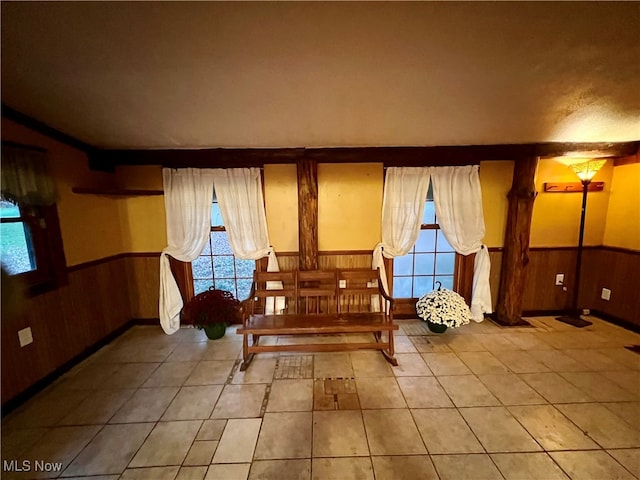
(318, 302)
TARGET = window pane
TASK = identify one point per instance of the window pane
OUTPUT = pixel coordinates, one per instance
(207, 248)
(216, 216)
(445, 263)
(403, 265)
(424, 264)
(244, 287)
(223, 266)
(443, 245)
(200, 286)
(220, 243)
(422, 285)
(429, 215)
(227, 284)
(446, 280)
(426, 241)
(15, 252)
(402, 287)
(201, 267)
(9, 210)
(245, 268)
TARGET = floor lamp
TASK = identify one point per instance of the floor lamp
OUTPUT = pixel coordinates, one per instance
(585, 171)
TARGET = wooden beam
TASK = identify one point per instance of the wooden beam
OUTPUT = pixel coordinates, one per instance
(307, 169)
(516, 242)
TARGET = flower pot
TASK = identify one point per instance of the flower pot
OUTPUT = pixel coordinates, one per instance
(215, 330)
(436, 327)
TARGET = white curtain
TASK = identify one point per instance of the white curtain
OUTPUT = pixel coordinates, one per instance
(239, 193)
(187, 199)
(458, 201)
(405, 191)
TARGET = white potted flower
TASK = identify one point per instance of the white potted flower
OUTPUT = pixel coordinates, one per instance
(443, 308)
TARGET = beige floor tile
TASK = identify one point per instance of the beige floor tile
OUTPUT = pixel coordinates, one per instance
(411, 365)
(90, 377)
(379, 393)
(392, 432)
(623, 356)
(445, 431)
(155, 473)
(342, 468)
(211, 430)
(332, 365)
(554, 388)
(627, 411)
(599, 387)
(167, 444)
(466, 343)
(201, 453)
(291, 396)
(527, 341)
(404, 468)
(285, 435)
(431, 344)
(239, 471)
(281, 470)
(238, 441)
(445, 364)
(191, 473)
(294, 367)
(110, 451)
(528, 466)
(46, 409)
(97, 408)
(498, 431)
(591, 465)
(210, 372)
(520, 361)
(130, 375)
(510, 390)
(339, 434)
(627, 379)
(96, 477)
(223, 351)
(261, 370)
(15, 442)
(466, 467)
(628, 458)
(188, 352)
(58, 446)
(423, 392)
(483, 363)
(551, 429)
(172, 374)
(193, 403)
(403, 344)
(592, 359)
(240, 401)
(369, 364)
(602, 425)
(467, 391)
(146, 405)
(557, 361)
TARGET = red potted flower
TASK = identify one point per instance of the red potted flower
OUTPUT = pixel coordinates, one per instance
(212, 311)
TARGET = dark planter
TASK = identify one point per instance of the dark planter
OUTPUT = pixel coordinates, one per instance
(436, 327)
(215, 330)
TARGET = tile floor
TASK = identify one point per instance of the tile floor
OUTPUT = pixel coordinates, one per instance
(481, 402)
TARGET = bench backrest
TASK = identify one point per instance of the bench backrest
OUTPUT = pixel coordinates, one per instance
(357, 289)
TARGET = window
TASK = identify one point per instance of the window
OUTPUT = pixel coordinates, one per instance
(430, 260)
(217, 266)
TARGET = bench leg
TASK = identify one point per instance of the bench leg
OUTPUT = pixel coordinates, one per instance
(388, 354)
(246, 356)
(247, 360)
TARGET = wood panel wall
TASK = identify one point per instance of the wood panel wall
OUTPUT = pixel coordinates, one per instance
(143, 279)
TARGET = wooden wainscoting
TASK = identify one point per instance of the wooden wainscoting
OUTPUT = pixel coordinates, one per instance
(64, 322)
(143, 277)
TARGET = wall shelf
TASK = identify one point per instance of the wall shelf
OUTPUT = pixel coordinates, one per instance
(121, 192)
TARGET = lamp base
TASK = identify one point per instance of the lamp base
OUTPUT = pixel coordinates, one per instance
(575, 320)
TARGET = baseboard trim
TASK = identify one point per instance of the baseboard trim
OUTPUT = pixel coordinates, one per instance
(13, 403)
(626, 324)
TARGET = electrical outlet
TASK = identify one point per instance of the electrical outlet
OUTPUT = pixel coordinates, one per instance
(25, 336)
(606, 294)
(559, 278)
(343, 283)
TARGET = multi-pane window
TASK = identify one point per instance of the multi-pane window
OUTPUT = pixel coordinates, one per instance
(217, 266)
(430, 260)
(18, 252)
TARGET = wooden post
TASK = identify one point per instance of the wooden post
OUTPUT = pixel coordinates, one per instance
(308, 213)
(516, 242)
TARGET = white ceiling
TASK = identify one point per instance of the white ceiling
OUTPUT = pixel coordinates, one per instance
(271, 74)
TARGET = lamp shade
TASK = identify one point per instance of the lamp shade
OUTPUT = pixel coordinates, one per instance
(587, 170)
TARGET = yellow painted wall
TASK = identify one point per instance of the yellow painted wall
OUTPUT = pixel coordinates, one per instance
(90, 224)
(143, 221)
(281, 205)
(495, 181)
(556, 216)
(349, 206)
(622, 227)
